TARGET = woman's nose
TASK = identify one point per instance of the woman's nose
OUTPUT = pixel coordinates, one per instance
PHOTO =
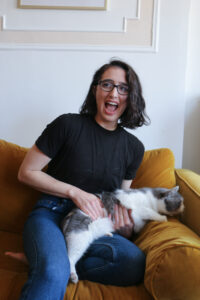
(114, 91)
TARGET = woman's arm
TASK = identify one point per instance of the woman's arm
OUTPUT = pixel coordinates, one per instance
(31, 173)
(126, 184)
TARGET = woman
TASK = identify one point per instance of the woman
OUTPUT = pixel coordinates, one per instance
(86, 153)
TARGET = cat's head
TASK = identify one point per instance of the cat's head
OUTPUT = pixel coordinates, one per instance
(170, 201)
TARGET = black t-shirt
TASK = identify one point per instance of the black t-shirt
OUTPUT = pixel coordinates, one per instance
(88, 156)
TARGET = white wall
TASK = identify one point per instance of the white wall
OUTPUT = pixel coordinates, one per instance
(38, 85)
(191, 150)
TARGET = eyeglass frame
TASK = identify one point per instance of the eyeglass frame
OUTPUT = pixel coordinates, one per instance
(113, 86)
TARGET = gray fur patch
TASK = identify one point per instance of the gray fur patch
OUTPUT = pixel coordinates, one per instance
(109, 200)
(75, 221)
(159, 193)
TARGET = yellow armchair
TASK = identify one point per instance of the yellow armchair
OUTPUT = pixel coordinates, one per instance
(172, 249)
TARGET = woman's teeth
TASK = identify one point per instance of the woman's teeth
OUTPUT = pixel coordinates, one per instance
(111, 106)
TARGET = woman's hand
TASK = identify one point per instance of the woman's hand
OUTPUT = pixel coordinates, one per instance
(87, 202)
(124, 223)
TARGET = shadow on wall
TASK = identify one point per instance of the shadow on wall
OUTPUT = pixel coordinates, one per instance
(191, 146)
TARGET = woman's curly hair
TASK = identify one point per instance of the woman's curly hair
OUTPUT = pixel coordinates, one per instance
(134, 115)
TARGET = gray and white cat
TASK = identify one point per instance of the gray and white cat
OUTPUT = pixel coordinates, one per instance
(146, 204)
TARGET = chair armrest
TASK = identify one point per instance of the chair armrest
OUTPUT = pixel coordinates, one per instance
(189, 183)
(172, 260)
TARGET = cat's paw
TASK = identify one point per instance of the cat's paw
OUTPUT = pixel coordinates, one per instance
(109, 234)
(163, 219)
(73, 277)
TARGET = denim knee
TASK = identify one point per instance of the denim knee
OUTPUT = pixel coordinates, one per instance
(55, 272)
(113, 260)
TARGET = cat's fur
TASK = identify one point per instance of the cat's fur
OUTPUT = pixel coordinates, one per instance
(146, 204)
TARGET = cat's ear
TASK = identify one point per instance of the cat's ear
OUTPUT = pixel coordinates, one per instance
(175, 189)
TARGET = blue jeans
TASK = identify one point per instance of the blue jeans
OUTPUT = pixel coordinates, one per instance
(109, 260)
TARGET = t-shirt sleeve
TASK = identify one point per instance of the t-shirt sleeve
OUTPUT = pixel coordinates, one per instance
(136, 153)
(53, 137)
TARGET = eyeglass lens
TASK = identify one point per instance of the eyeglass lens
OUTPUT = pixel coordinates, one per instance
(109, 86)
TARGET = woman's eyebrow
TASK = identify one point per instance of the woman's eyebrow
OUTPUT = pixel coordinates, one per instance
(124, 83)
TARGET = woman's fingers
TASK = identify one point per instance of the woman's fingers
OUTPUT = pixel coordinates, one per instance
(99, 206)
(88, 203)
(126, 217)
(92, 207)
(121, 216)
(123, 222)
(116, 216)
(96, 208)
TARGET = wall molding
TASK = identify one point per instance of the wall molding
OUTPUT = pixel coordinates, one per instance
(139, 34)
(6, 27)
(71, 7)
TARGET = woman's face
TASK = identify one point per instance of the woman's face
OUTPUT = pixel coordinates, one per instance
(111, 104)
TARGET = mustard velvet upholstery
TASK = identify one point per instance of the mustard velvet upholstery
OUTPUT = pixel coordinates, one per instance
(16, 199)
(172, 249)
(173, 260)
(156, 170)
(189, 183)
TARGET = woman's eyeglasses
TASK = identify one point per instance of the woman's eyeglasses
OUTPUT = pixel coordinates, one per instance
(108, 86)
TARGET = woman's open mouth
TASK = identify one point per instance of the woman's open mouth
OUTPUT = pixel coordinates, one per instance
(111, 107)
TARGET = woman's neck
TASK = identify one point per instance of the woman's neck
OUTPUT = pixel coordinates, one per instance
(106, 125)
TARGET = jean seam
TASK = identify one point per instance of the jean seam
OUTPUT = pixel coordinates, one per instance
(33, 273)
(96, 269)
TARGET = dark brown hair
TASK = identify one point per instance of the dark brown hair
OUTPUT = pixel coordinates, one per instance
(134, 114)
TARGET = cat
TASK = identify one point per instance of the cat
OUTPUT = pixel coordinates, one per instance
(145, 203)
